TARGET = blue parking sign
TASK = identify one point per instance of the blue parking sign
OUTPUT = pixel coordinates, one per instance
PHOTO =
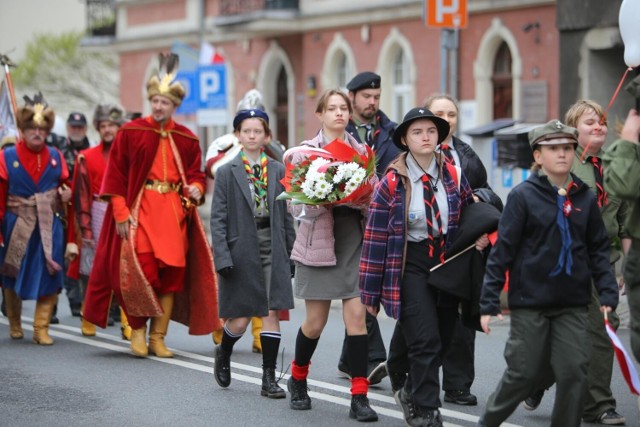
(212, 86)
(189, 79)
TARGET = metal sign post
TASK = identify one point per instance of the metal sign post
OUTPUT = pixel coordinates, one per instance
(450, 16)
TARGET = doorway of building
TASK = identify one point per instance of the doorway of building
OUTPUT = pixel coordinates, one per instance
(282, 108)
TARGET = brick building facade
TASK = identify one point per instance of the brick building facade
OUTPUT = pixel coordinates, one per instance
(507, 59)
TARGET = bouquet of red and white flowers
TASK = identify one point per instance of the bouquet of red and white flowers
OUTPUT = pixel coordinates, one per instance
(335, 174)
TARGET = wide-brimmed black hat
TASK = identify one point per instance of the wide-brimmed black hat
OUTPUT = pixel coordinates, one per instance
(416, 114)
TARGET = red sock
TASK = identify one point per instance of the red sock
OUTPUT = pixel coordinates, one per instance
(359, 385)
(299, 372)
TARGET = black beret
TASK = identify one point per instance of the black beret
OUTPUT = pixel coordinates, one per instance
(364, 80)
(249, 114)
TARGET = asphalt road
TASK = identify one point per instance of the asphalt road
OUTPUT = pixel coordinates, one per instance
(82, 381)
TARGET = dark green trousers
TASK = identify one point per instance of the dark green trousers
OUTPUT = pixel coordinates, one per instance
(540, 338)
(599, 398)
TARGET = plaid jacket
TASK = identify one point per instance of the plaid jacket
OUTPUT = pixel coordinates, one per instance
(385, 237)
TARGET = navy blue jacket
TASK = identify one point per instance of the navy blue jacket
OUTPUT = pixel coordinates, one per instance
(385, 149)
(529, 244)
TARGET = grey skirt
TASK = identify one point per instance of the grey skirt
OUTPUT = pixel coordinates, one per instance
(339, 281)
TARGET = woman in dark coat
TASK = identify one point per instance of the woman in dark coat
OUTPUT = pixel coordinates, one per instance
(252, 235)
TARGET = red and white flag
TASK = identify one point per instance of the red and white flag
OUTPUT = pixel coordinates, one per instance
(209, 55)
(626, 363)
(7, 122)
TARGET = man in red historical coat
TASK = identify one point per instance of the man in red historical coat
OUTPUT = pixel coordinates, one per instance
(155, 254)
(87, 211)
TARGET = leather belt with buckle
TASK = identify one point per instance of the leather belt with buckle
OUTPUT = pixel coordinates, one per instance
(162, 187)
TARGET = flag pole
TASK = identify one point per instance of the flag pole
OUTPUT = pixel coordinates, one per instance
(468, 248)
(6, 63)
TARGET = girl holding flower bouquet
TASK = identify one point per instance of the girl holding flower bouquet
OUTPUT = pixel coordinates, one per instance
(327, 253)
(412, 219)
(252, 235)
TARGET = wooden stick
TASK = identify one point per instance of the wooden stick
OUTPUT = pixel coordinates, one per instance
(471, 246)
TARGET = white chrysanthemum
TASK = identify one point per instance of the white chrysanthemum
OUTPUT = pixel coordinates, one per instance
(360, 173)
(339, 176)
(352, 167)
(323, 188)
(313, 174)
(307, 188)
(350, 188)
(357, 180)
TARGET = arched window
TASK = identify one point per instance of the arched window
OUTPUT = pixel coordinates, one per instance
(342, 70)
(401, 88)
(502, 83)
(339, 65)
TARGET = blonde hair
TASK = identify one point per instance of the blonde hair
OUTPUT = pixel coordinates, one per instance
(579, 108)
(429, 100)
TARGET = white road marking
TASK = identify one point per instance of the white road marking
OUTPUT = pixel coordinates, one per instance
(123, 347)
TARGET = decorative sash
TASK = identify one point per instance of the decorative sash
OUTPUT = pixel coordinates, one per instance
(37, 208)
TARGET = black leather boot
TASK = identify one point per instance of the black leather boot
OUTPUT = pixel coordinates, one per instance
(360, 409)
(270, 387)
(300, 399)
(222, 367)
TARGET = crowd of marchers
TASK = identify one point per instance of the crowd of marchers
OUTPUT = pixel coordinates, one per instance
(116, 226)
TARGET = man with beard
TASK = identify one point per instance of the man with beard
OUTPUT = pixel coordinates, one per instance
(153, 250)
(87, 213)
(371, 126)
(32, 190)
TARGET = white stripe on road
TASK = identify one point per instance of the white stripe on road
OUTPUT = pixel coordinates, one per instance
(123, 347)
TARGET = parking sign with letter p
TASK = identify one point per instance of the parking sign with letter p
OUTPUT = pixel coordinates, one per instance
(446, 13)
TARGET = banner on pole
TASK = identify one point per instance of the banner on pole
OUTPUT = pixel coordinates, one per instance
(7, 123)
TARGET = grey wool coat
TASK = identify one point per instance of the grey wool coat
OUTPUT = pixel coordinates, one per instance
(243, 293)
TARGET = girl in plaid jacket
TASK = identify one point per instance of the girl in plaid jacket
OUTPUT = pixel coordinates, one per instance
(412, 219)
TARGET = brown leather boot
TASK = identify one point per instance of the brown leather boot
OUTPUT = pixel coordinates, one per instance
(87, 328)
(256, 328)
(217, 336)
(139, 342)
(125, 329)
(14, 313)
(159, 327)
(44, 310)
